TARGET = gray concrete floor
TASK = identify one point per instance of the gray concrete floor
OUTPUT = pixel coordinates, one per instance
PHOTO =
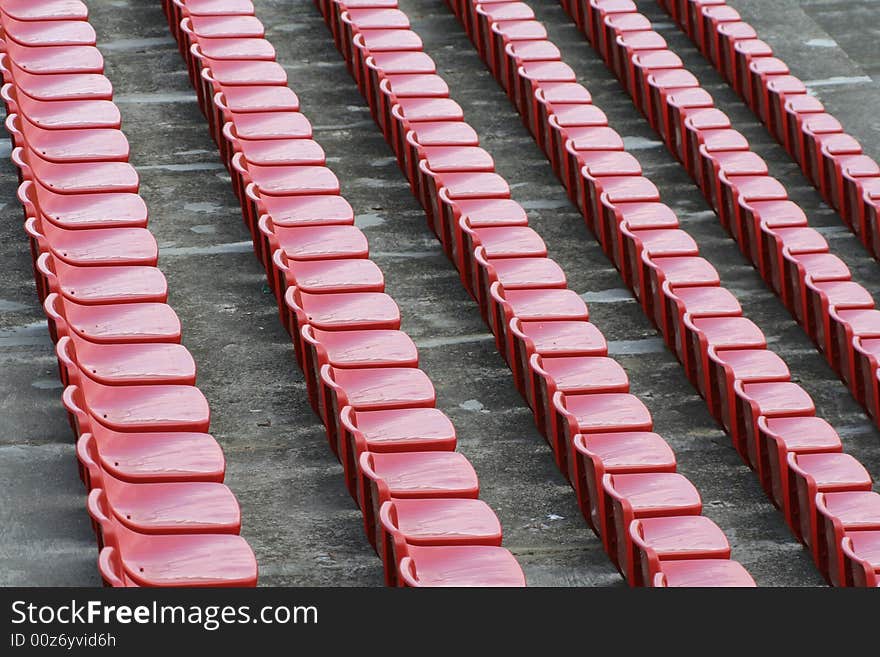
(302, 525)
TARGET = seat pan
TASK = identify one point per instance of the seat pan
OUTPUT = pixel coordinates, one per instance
(283, 180)
(308, 209)
(753, 364)
(596, 138)
(429, 109)
(844, 294)
(36, 33)
(799, 434)
(385, 428)
(627, 189)
(226, 26)
(220, 7)
(709, 301)
(444, 133)
(374, 18)
(359, 349)
(49, 10)
(563, 93)
(260, 98)
(282, 152)
(680, 271)
(740, 163)
(546, 71)
(629, 451)
(243, 49)
(425, 474)
(778, 398)
(730, 332)
(80, 178)
(656, 493)
(602, 412)
(695, 573)
(399, 62)
(445, 521)
(98, 246)
(84, 145)
(862, 322)
(191, 560)
(126, 322)
(511, 241)
(599, 164)
(159, 456)
(192, 507)
(710, 118)
(349, 311)
(680, 536)
(70, 114)
(667, 242)
(546, 304)
(515, 273)
(322, 242)
(47, 60)
(415, 84)
(778, 214)
(328, 276)
(831, 471)
(385, 387)
(646, 215)
(565, 338)
(822, 267)
(477, 565)
(378, 40)
(155, 407)
(64, 86)
(586, 374)
(135, 364)
(272, 125)
(489, 212)
(457, 158)
(112, 284)
(463, 185)
(854, 509)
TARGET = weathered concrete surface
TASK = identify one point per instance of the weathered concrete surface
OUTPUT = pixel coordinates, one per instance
(302, 525)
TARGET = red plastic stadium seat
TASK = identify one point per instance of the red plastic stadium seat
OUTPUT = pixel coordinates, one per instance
(680, 538)
(433, 522)
(777, 437)
(376, 388)
(147, 457)
(593, 413)
(569, 359)
(841, 514)
(765, 399)
(113, 323)
(625, 452)
(353, 349)
(411, 475)
(396, 430)
(50, 10)
(198, 560)
(862, 558)
(644, 495)
(125, 364)
(140, 408)
(191, 507)
(477, 565)
(811, 474)
(701, 573)
(97, 285)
